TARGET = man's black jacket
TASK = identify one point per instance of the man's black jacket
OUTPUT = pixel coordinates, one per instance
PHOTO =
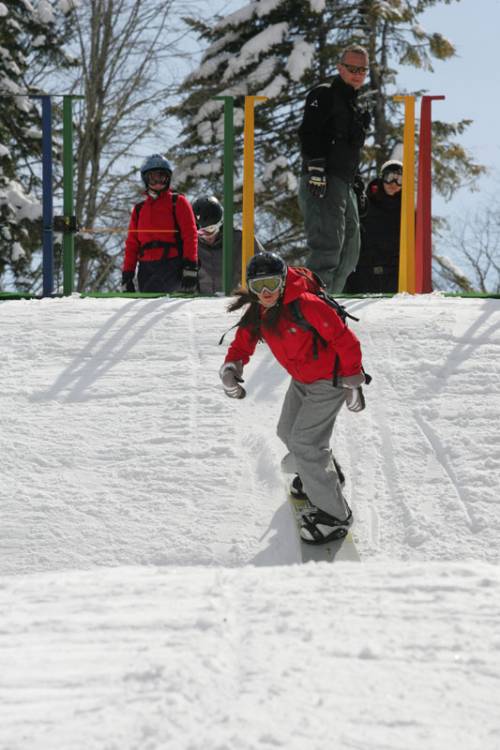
(334, 128)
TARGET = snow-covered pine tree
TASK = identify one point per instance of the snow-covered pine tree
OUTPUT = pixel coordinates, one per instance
(279, 49)
(32, 38)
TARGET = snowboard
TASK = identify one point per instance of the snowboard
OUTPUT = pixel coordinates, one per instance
(337, 549)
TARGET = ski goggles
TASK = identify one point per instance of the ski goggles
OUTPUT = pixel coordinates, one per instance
(271, 283)
(156, 177)
(210, 229)
(393, 177)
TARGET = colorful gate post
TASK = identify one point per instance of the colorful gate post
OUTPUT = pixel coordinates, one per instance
(406, 281)
(248, 183)
(47, 206)
(423, 237)
(69, 219)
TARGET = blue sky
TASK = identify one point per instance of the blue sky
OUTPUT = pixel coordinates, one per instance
(470, 83)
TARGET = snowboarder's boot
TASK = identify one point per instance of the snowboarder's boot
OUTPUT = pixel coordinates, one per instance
(297, 489)
(319, 527)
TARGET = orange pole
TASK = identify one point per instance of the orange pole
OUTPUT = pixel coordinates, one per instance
(406, 282)
(247, 243)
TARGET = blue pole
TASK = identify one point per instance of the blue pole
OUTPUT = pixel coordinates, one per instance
(48, 235)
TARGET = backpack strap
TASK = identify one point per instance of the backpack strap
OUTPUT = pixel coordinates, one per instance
(137, 209)
(299, 319)
(178, 236)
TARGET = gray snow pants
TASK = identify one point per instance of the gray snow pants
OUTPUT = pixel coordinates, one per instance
(332, 231)
(305, 426)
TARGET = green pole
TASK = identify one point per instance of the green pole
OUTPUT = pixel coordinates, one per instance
(68, 208)
(227, 236)
(68, 237)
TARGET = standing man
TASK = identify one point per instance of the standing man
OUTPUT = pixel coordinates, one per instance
(332, 134)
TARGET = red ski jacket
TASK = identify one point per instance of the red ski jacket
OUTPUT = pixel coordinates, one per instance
(293, 346)
(156, 224)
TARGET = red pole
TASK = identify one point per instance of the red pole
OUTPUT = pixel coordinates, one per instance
(423, 228)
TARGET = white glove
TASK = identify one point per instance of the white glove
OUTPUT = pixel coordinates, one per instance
(230, 374)
(355, 400)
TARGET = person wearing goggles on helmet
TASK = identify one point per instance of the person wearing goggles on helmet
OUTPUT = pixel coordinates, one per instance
(209, 220)
(378, 266)
(316, 393)
(332, 134)
(162, 242)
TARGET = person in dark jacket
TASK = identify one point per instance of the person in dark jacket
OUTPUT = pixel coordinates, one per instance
(378, 267)
(331, 135)
(312, 401)
(162, 238)
(209, 220)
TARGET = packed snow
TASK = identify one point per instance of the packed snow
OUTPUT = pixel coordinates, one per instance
(151, 588)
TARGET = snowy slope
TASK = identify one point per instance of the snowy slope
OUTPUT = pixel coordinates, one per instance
(148, 595)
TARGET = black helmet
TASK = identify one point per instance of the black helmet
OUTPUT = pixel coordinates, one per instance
(154, 162)
(266, 264)
(207, 211)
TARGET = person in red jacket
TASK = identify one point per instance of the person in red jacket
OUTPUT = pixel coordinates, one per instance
(162, 236)
(314, 398)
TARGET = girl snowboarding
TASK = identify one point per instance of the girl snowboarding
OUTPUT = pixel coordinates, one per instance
(326, 372)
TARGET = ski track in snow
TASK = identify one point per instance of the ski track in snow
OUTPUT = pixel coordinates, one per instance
(429, 413)
(150, 595)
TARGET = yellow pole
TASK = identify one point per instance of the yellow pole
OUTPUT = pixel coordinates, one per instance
(247, 243)
(406, 281)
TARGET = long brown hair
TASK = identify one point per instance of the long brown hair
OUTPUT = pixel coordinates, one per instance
(253, 317)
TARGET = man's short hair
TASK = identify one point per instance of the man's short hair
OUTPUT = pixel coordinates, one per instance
(355, 49)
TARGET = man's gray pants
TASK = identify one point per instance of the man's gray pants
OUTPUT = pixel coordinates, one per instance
(332, 231)
(305, 426)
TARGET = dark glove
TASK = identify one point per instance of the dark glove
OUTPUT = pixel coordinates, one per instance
(128, 282)
(316, 178)
(230, 374)
(189, 281)
(355, 400)
(361, 196)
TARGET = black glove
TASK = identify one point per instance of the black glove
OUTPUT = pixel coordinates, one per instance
(189, 281)
(361, 196)
(128, 282)
(316, 174)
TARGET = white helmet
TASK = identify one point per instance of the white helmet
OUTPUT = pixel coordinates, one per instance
(393, 165)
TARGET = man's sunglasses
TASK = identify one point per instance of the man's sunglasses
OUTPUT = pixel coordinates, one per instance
(393, 177)
(271, 283)
(355, 69)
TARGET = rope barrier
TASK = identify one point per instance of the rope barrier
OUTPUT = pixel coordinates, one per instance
(117, 230)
